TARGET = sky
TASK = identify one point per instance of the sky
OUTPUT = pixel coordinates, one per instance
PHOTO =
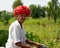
(7, 4)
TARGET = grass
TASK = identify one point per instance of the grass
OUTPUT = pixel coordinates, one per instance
(47, 30)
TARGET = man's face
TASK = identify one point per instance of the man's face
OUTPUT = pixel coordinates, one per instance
(21, 17)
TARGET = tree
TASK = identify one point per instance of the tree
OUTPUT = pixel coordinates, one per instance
(43, 12)
(53, 9)
(17, 3)
(37, 11)
(0, 14)
(5, 16)
(59, 10)
(49, 10)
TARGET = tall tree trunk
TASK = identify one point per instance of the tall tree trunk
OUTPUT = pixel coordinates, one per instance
(55, 19)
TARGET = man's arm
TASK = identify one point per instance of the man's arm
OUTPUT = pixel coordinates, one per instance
(22, 45)
(33, 43)
(30, 42)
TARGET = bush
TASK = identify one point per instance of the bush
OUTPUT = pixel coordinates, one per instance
(33, 37)
(3, 37)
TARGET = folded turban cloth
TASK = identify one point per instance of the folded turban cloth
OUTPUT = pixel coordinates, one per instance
(22, 10)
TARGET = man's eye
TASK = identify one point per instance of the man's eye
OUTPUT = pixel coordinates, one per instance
(21, 15)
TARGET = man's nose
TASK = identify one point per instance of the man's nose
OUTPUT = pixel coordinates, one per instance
(23, 17)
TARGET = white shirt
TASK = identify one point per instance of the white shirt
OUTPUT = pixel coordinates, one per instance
(16, 34)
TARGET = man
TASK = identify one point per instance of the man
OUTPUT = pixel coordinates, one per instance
(17, 38)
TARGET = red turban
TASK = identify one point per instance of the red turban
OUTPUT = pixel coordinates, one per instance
(22, 10)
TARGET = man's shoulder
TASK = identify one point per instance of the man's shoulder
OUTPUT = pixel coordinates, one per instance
(14, 24)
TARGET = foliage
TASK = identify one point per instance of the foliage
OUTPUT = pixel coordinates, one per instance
(33, 37)
(52, 9)
(37, 11)
(17, 3)
(40, 30)
(46, 30)
(59, 10)
(3, 37)
(5, 16)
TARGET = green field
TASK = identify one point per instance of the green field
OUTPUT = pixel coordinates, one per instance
(47, 30)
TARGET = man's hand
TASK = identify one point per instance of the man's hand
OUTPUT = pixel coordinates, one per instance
(39, 45)
(28, 47)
